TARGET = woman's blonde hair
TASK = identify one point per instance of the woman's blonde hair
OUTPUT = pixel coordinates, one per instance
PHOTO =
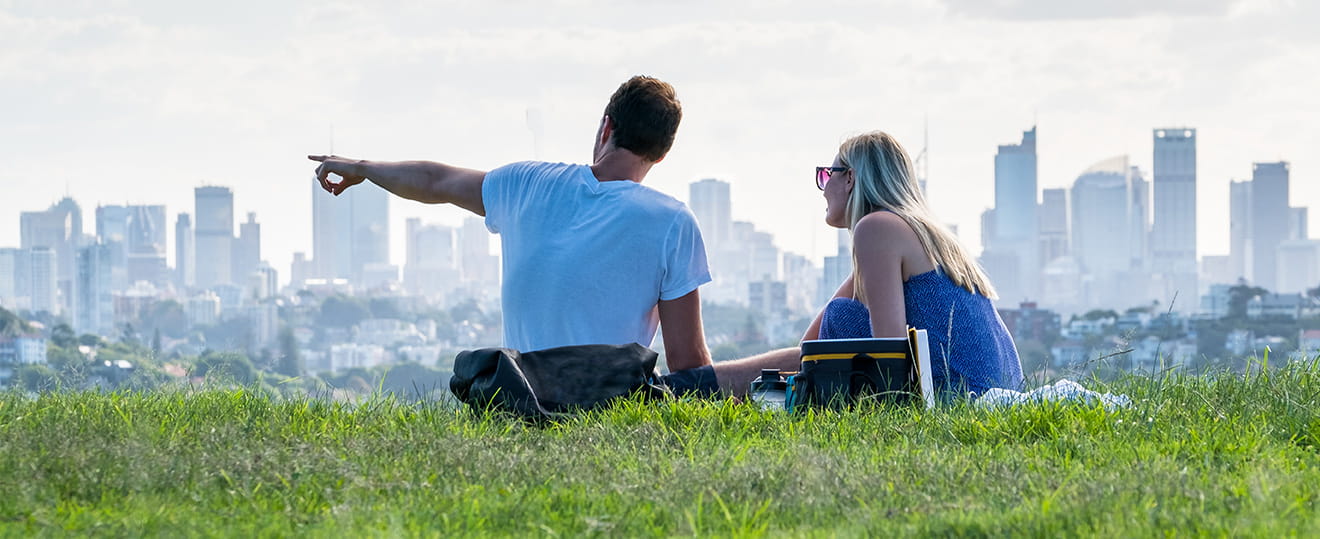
(885, 181)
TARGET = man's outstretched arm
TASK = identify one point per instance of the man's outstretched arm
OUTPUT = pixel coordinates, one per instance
(423, 181)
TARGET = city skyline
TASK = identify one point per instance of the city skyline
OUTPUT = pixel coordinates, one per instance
(147, 122)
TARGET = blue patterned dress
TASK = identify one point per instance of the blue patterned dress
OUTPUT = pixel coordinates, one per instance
(970, 349)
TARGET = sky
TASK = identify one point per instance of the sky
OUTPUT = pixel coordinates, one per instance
(119, 102)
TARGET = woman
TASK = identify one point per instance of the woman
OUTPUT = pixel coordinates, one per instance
(908, 270)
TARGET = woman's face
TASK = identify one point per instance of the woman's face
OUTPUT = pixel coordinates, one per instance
(837, 191)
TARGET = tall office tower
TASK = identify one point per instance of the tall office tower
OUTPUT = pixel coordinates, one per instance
(1105, 212)
(1239, 229)
(185, 269)
(1053, 225)
(42, 275)
(94, 308)
(988, 228)
(835, 269)
(145, 240)
(350, 231)
(331, 229)
(1139, 220)
(300, 270)
(247, 249)
(112, 223)
(1016, 220)
(147, 229)
(476, 263)
(60, 229)
(1297, 223)
(214, 234)
(112, 230)
(1269, 220)
(429, 269)
(802, 277)
(710, 203)
(371, 227)
(263, 282)
(1173, 232)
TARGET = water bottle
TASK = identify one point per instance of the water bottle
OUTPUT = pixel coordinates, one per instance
(770, 390)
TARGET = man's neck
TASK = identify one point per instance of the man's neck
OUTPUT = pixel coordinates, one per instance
(616, 164)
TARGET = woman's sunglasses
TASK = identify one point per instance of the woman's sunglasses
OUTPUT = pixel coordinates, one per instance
(823, 175)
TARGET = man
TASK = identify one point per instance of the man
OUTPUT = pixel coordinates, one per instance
(591, 256)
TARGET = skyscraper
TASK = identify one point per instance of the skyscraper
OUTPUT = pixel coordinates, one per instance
(430, 269)
(1173, 232)
(1269, 220)
(1016, 222)
(146, 240)
(45, 286)
(60, 229)
(370, 214)
(350, 231)
(214, 235)
(247, 249)
(1106, 218)
(184, 252)
(1239, 229)
(1053, 225)
(135, 236)
(94, 306)
(710, 202)
(711, 205)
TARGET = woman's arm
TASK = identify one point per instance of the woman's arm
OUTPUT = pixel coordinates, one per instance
(880, 241)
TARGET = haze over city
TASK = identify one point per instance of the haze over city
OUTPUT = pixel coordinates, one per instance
(139, 103)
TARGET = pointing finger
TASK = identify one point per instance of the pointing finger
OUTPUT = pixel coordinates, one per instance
(320, 158)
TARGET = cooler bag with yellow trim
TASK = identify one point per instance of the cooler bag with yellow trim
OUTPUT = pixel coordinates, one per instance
(841, 372)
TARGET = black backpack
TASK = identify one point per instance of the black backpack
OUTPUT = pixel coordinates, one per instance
(554, 382)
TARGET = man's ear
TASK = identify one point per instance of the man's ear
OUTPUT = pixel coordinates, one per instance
(606, 129)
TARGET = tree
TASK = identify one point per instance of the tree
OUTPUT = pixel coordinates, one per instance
(1238, 297)
(384, 308)
(228, 366)
(12, 326)
(342, 312)
(63, 336)
(1099, 314)
(290, 362)
(37, 378)
(167, 317)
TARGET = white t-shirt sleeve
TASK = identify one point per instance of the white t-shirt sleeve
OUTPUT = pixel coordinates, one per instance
(503, 192)
(685, 263)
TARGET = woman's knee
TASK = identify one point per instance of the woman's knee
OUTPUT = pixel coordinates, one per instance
(845, 318)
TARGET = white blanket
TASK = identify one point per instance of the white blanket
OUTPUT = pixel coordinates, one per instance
(1063, 390)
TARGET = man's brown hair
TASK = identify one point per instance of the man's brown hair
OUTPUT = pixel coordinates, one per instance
(645, 112)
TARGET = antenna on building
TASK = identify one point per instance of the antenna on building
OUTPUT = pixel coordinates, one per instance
(922, 162)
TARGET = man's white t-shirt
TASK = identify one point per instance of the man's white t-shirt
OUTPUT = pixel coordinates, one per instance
(586, 261)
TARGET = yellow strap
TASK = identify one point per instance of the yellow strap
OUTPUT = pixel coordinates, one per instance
(822, 357)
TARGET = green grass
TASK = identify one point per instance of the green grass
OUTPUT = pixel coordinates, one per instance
(1220, 454)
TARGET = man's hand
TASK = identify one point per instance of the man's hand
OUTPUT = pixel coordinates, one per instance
(348, 169)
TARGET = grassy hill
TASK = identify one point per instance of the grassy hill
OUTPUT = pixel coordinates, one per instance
(1220, 454)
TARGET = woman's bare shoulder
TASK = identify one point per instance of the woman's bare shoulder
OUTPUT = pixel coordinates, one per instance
(883, 228)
